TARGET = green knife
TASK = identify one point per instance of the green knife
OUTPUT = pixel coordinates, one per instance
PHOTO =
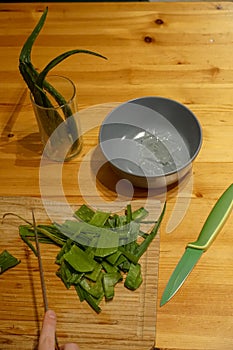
(194, 250)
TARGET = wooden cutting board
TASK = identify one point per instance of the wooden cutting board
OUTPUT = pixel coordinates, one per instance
(126, 323)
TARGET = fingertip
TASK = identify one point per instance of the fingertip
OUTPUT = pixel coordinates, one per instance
(51, 314)
(69, 346)
(47, 336)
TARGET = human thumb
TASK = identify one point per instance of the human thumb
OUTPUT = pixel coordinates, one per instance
(47, 336)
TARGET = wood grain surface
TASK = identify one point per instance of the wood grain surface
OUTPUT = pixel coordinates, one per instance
(177, 50)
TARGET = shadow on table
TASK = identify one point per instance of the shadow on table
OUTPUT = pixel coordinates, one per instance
(106, 177)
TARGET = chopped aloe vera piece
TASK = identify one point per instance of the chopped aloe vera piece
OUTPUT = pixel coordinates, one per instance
(139, 214)
(84, 213)
(109, 281)
(66, 247)
(131, 257)
(99, 218)
(125, 265)
(147, 241)
(80, 292)
(120, 260)
(79, 260)
(93, 275)
(134, 278)
(7, 261)
(107, 243)
(92, 301)
(75, 278)
(112, 259)
(109, 268)
(24, 233)
(78, 231)
(93, 288)
(129, 213)
(65, 274)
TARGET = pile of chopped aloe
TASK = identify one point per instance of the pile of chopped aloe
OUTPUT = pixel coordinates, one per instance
(98, 250)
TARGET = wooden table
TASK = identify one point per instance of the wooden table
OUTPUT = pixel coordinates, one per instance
(181, 51)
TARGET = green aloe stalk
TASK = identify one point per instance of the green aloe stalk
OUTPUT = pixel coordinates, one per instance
(39, 86)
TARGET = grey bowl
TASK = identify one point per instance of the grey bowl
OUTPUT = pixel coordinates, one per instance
(150, 141)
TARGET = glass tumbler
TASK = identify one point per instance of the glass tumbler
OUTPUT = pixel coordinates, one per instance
(58, 124)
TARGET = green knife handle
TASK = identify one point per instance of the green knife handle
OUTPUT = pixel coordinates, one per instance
(215, 221)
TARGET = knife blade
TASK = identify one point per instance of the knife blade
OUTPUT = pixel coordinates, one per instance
(194, 250)
(42, 280)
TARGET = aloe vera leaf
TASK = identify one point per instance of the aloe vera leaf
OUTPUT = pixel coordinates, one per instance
(129, 213)
(91, 301)
(30, 76)
(80, 292)
(24, 233)
(120, 260)
(121, 221)
(112, 221)
(147, 241)
(109, 282)
(18, 216)
(131, 247)
(40, 82)
(48, 117)
(26, 67)
(7, 261)
(53, 230)
(134, 277)
(130, 233)
(59, 59)
(79, 260)
(108, 289)
(93, 275)
(76, 230)
(84, 213)
(93, 288)
(123, 263)
(75, 277)
(103, 252)
(28, 231)
(107, 243)
(49, 124)
(40, 98)
(109, 268)
(131, 257)
(54, 238)
(99, 218)
(25, 55)
(64, 274)
(65, 248)
(29, 244)
(112, 259)
(139, 214)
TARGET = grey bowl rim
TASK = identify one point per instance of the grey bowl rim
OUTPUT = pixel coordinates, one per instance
(165, 174)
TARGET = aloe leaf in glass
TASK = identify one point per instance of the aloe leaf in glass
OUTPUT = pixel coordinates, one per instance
(43, 93)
